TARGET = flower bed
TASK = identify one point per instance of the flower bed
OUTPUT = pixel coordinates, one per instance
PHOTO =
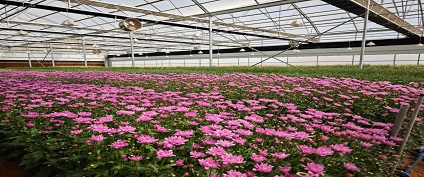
(116, 124)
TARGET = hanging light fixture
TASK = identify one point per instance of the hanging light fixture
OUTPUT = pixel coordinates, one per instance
(370, 44)
(95, 46)
(68, 22)
(166, 53)
(200, 52)
(22, 33)
(296, 50)
(135, 40)
(297, 23)
(218, 51)
(252, 54)
(349, 48)
(242, 50)
(190, 54)
(419, 43)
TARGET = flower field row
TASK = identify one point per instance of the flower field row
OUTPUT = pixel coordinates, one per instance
(117, 124)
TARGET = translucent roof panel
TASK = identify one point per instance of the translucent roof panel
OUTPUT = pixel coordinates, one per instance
(183, 24)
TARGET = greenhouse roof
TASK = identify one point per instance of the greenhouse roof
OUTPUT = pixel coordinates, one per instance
(181, 25)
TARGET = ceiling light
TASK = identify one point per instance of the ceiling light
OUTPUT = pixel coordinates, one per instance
(297, 23)
(370, 43)
(191, 55)
(69, 23)
(95, 46)
(296, 50)
(22, 33)
(420, 45)
(349, 48)
(219, 53)
(68, 47)
(197, 34)
(200, 52)
(118, 54)
(252, 53)
(242, 50)
(135, 40)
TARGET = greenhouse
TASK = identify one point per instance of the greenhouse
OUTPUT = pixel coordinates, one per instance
(215, 88)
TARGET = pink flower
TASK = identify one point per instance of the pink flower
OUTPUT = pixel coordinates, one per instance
(229, 159)
(233, 173)
(124, 129)
(216, 151)
(174, 141)
(76, 132)
(179, 162)
(124, 112)
(119, 144)
(146, 139)
(324, 151)
(29, 124)
(164, 153)
(136, 158)
(315, 169)
(224, 143)
(97, 138)
(341, 148)
(208, 163)
(258, 158)
(306, 149)
(5, 121)
(280, 155)
(197, 155)
(263, 167)
(351, 167)
(365, 144)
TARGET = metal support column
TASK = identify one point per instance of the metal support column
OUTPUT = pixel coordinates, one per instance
(51, 53)
(132, 49)
(419, 57)
(364, 35)
(317, 60)
(29, 57)
(210, 42)
(287, 61)
(238, 61)
(84, 52)
(394, 60)
(353, 59)
(29, 60)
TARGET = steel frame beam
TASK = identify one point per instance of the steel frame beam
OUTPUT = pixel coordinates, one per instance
(278, 48)
(179, 17)
(378, 14)
(105, 15)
